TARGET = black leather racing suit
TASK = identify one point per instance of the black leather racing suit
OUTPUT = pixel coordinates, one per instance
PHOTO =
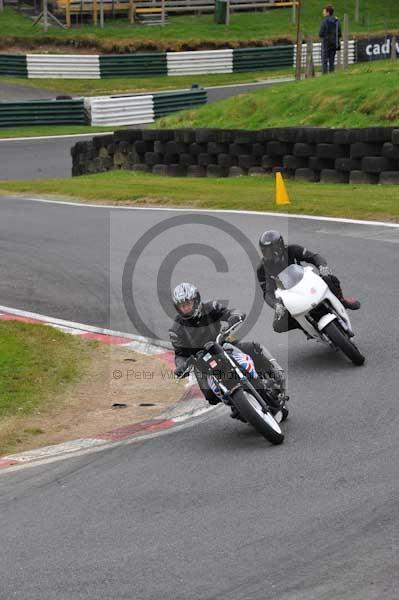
(330, 35)
(268, 270)
(188, 336)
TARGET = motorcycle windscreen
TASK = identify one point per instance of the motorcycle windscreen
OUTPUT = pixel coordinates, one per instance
(290, 277)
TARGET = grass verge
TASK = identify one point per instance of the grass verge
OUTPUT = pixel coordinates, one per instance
(251, 193)
(36, 362)
(364, 96)
(185, 32)
(44, 130)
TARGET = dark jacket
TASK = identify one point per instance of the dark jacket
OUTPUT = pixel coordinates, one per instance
(190, 335)
(268, 270)
(330, 32)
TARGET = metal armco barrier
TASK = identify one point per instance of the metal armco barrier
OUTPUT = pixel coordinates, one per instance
(178, 63)
(133, 65)
(256, 59)
(13, 65)
(140, 109)
(170, 102)
(63, 66)
(42, 112)
(196, 62)
(125, 110)
(317, 53)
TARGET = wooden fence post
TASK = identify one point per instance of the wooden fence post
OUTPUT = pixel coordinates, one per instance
(163, 12)
(310, 72)
(102, 14)
(45, 15)
(357, 11)
(95, 12)
(298, 65)
(132, 11)
(68, 13)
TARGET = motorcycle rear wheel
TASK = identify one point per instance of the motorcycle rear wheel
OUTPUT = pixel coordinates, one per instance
(251, 410)
(340, 339)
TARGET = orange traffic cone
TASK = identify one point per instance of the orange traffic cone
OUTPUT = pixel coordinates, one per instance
(281, 192)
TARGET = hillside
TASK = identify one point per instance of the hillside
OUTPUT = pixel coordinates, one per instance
(365, 95)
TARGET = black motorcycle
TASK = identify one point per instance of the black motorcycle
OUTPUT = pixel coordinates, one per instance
(231, 375)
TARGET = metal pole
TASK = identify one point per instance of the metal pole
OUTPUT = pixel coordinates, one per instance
(293, 13)
(357, 11)
(393, 47)
(102, 14)
(1, 5)
(298, 43)
(45, 15)
(162, 12)
(346, 42)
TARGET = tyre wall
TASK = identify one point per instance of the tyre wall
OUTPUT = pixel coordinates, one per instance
(304, 153)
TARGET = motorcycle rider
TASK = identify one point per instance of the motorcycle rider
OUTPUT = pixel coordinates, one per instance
(276, 256)
(199, 322)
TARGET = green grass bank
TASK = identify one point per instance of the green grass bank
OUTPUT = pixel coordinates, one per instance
(372, 202)
(36, 363)
(190, 32)
(366, 95)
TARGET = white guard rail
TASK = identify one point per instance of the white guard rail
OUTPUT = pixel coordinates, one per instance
(120, 110)
(317, 53)
(197, 62)
(63, 66)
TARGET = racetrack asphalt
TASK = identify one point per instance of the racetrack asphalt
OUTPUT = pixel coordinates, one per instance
(49, 158)
(211, 511)
(46, 158)
(15, 92)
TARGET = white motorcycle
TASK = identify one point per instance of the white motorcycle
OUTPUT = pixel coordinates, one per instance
(310, 301)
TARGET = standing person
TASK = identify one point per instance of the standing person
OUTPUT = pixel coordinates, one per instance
(330, 35)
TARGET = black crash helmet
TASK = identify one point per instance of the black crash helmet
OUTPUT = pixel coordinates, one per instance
(272, 245)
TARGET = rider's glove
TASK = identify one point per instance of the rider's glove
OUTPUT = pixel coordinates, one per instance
(180, 370)
(324, 270)
(280, 310)
(283, 398)
(279, 376)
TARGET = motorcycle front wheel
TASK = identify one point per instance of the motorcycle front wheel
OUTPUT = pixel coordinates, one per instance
(341, 341)
(252, 411)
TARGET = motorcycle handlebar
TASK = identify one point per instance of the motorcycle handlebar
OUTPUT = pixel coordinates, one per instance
(224, 333)
(219, 339)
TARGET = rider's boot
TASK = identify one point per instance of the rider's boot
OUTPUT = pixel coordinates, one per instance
(335, 286)
(350, 303)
